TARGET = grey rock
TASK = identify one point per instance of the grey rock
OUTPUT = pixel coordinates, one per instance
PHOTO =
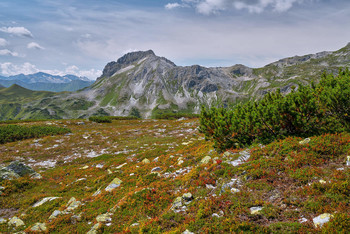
(94, 229)
(114, 184)
(44, 200)
(104, 218)
(15, 221)
(55, 214)
(255, 210)
(6, 174)
(39, 227)
(205, 160)
(322, 219)
(72, 204)
(156, 169)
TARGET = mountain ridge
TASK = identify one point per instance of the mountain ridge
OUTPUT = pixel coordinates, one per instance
(154, 85)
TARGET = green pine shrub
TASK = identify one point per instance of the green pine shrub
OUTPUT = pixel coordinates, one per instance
(100, 119)
(11, 133)
(305, 112)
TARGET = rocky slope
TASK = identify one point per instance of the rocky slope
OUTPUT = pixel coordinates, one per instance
(153, 85)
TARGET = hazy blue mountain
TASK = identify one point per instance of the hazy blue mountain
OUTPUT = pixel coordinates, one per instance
(45, 82)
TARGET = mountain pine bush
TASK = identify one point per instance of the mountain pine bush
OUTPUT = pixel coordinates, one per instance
(307, 111)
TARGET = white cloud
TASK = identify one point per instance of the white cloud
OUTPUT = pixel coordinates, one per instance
(10, 69)
(9, 53)
(171, 6)
(34, 45)
(18, 31)
(3, 42)
(208, 7)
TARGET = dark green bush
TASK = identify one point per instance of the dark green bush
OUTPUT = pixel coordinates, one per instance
(100, 119)
(11, 133)
(308, 111)
(123, 117)
(175, 116)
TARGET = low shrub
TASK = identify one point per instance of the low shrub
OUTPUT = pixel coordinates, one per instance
(100, 119)
(11, 133)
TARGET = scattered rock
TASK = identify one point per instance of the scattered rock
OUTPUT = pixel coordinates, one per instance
(322, 219)
(104, 218)
(255, 210)
(80, 123)
(221, 213)
(322, 181)
(6, 174)
(1, 188)
(44, 200)
(15, 221)
(120, 166)
(75, 218)
(2, 220)
(39, 227)
(114, 184)
(20, 168)
(228, 186)
(206, 160)
(244, 156)
(228, 154)
(97, 192)
(146, 161)
(187, 232)
(187, 197)
(156, 159)
(134, 224)
(305, 141)
(156, 169)
(72, 204)
(302, 220)
(348, 161)
(234, 190)
(55, 214)
(84, 167)
(94, 229)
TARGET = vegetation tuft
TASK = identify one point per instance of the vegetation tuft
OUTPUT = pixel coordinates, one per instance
(11, 133)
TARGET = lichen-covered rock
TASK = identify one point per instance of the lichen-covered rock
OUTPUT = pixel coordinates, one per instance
(187, 197)
(322, 219)
(39, 227)
(55, 214)
(104, 218)
(44, 200)
(6, 174)
(206, 160)
(156, 169)
(114, 184)
(94, 229)
(20, 168)
(15, 221)
(146, 161)
(305, 141)
(255, 210)
(187, 232)
(72, 204)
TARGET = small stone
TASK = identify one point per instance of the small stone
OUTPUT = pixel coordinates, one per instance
(72, 204)
(97, 192)
(81, 123)
(234, 190)
(2, 220)
(146, 161)
(156, 159)
(104, 218)
(134, 224)
(122, 165)
(187, 197)
(114, 184)
(322, 181)
(180, 162)
(302, 220)
(84, 167)
(206, 160)
(109, 171)
(75, 218)
(99, 165)
(44, 200)
(255, 210)
(177, 203)
(305, 141)
(94, 229)
(39, 227)
(36, 176)
(348, 161)
(322, 219)
(187, 232)
(156, 169)
(55, 214)
(17, 222)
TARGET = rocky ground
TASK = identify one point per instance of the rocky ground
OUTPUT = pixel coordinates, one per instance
(162, 176)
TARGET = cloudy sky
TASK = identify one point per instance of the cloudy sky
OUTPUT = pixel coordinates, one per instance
(80, 36)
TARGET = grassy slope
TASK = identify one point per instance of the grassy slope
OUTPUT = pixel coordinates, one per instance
(283, 177)
(18, 94)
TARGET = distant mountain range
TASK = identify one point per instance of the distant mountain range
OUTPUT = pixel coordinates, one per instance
(154, 85)
(45, 82)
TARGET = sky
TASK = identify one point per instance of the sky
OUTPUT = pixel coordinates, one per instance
(80, 37)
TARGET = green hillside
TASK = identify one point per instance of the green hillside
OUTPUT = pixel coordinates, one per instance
(18, 94)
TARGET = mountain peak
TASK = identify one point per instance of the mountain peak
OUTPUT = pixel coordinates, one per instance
(134, 56)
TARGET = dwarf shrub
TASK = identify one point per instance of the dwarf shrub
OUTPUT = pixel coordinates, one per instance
(305, 112)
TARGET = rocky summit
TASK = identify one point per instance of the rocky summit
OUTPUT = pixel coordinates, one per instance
(144, 83)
